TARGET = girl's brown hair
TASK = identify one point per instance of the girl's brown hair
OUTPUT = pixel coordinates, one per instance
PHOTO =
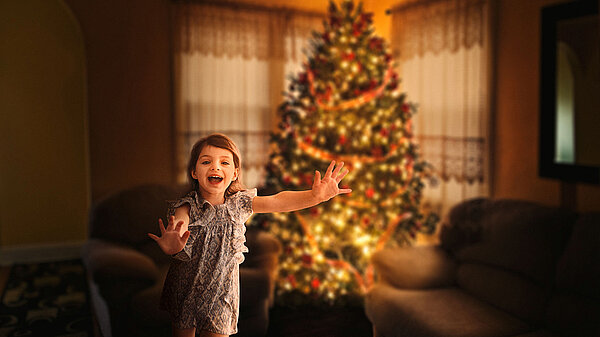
(223, 142)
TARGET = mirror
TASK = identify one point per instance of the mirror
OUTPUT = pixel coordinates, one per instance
(570, 92)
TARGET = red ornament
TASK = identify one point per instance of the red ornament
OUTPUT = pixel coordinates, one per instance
(342, 140)
(287, 179)
(370, 192)
(384, 132)
(307, 260)
(314, 211)
(377, 152)
(375, 43)
(292, 279)
(315, 283)
(357, 29)
(308, 140)
(308, 179)
(348, 56)
(405, 108)
(302, 78)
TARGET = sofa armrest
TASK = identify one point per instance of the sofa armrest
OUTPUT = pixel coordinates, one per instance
(108, 261)
(260, 242)
(415, 267)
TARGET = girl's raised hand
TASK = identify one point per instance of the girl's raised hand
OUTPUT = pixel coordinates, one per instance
(327, 188)
(170, 241)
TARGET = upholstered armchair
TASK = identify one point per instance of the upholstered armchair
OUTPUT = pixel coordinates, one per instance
(127, 269)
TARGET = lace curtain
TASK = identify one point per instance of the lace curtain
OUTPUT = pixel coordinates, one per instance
(443, 52)
(230, 64)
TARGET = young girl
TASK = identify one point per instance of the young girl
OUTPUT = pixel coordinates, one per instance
(205, 235)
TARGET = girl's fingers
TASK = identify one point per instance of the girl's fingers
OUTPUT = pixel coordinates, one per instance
(345, 190)
(342, 175)
(161, 226)
(185, 236)
(179, 224)
(153, 237)
(317, 178)
(329, 170)
(171, 225)
(337, 170)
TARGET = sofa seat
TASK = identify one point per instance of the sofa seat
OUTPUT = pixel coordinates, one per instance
(442, 312)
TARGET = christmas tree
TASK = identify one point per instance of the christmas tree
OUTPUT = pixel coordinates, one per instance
(344, 105)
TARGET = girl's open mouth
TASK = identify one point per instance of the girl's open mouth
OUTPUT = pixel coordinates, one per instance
(215, 179)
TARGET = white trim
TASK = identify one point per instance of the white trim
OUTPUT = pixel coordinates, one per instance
(40, 253)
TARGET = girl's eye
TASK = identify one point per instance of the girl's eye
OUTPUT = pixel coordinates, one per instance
(206, 162)
(225, 163)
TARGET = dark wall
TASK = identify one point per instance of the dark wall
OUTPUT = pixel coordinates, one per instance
(516, 123)
(129, 92)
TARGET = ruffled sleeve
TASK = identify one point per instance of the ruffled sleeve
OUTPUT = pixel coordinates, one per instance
(240, 209)
(240, 205)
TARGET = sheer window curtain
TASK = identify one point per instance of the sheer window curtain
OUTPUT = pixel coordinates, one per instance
(443, 52)
(230, 66)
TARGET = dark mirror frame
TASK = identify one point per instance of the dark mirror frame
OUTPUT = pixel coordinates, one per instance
(548, 168)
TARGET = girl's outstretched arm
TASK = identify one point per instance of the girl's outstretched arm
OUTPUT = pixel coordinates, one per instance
(322, 190)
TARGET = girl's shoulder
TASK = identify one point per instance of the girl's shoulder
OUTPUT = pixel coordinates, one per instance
(243, 194)
(239, 204)
(190, 198)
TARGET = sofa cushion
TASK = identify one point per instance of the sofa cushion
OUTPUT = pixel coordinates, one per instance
(415, 267)
(447, 312)
(506, 290)
(519, 236)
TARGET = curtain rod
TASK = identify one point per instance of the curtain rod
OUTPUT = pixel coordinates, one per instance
(416, 3)
(251, 6)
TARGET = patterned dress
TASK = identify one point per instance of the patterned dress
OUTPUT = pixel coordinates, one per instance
(202, 287)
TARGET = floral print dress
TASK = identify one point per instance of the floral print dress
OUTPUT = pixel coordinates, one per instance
(202, 286)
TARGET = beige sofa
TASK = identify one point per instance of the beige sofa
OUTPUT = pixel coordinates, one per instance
(127, 269)
(503, 268)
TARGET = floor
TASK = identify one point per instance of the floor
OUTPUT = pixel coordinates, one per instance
(297, 322)
(319, 321)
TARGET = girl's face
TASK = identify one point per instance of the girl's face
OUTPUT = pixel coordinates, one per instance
(214, 171)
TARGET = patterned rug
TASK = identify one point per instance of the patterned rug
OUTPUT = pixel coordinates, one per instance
(46, 299)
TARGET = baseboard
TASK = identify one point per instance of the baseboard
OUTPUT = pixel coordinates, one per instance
(40, 253)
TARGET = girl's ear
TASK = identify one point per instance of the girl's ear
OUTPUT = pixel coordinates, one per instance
(235, 173)
(194, 174)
